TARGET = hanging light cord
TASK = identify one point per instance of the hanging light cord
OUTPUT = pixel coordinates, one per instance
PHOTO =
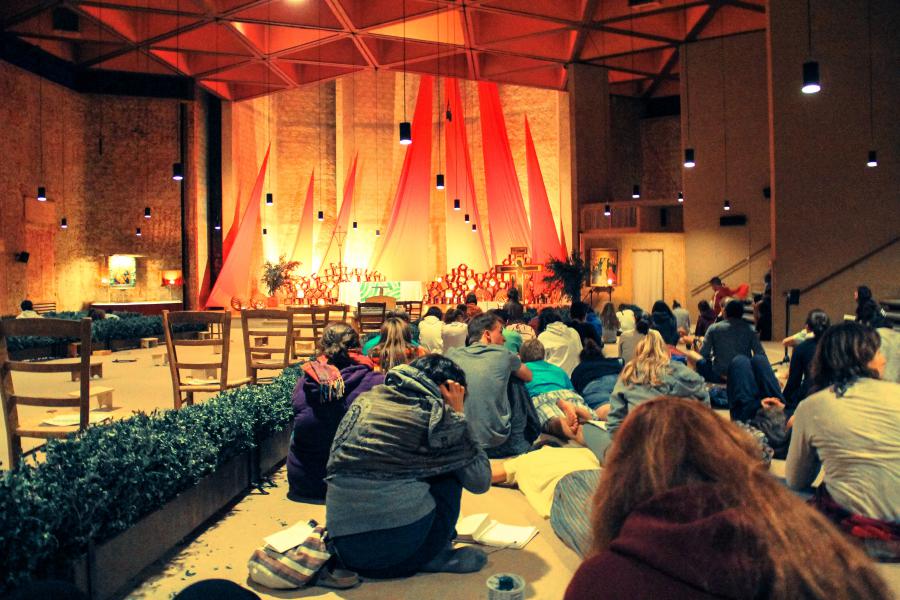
(724, 107)
(404, 60)
(687, 89)
(808, 25)
(871, 80)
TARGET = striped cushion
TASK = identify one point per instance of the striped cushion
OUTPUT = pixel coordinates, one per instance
(292, 569)
(570, 515)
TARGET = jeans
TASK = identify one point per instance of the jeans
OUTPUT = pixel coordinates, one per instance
(749, 381)
(705, 368)
(597, 439)
(597, 392)
(524, 425)
(402, 551)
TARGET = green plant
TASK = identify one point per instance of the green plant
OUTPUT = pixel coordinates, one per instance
(277, 274)
(99, 483)
(571, 273)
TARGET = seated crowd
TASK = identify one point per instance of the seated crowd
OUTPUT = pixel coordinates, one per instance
(389, 431)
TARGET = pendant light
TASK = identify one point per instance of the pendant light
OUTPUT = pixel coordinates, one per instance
(355, 225)
(41, 194)
(607, 210)
(41, 191)
(873, 154)
(456, 204)
(63, 223)
(811, 82)
(218, 226)
(137, 232)
(270, 199)
(439, 183)
(680, 197)
(636, 191)
(873, 159)
(377, 232)
(147, 212)
(689, 162)
(474, 227)
(265, 231)
(405, 126)
(726, 206)
(177, 171)
(321, 215)
(439, 179)
(177, 167)
(467, 218)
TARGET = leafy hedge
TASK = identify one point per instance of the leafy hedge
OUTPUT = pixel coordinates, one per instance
(97, 484)
(128, 326)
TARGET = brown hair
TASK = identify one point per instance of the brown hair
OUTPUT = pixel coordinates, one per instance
(669, 442)
(532, 350)
(843, 355)
(393, 348)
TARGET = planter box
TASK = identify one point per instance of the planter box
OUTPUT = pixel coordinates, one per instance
(273, 450)
(111, 565)
(35, 353)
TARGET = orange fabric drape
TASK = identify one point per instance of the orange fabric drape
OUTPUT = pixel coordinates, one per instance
(506, 210)
(463, 245)
(236, 278)
(403, 254)
(303, 244)
(544, 239)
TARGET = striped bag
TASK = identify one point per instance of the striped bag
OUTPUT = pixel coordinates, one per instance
(292, 569)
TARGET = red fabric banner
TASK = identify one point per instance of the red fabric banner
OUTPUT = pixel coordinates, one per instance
(544, 240)
(332, 253)
(303, 244)
(506, 209)
(403, 255)
(235, 279)
(464, 246)
(232, 231)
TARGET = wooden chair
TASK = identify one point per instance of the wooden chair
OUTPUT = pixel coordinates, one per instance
(389, 301)
(370, 316)
(412, 307)
(61, 328)
(218, 363)
(336, 313)
(306, 330)
(258, 356)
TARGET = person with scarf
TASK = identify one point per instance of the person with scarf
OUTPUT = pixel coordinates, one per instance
(400, 460)
(327, 386)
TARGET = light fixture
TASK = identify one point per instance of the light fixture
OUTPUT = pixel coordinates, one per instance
(474, 227)
(467, 218)
(727, 205)
(448, 114)
(811, 77)
(680, 197)
(321, 215)
(377, 232)
(607, 210)
(355, 225)
(218, 226)
(439, 183)
(270, 199)
(405, 133)
(456, 204)
(265, 231)
(636, 191)
(137, 232)
(873, 159)
(177, 171)
(689, 162)
(147, 212)
(42, 194)
(63, 223)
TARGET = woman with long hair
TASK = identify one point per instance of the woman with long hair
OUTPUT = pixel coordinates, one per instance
(685, 510)
(609, 323)
(850, 428)
(327, 386)
(868, 310)
(706, 317)
(664, 322)
(396, 346)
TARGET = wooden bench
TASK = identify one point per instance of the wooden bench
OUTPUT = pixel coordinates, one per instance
(74, 349)
(96, 369)
(104, 396)
(149, 342)
(161, 359)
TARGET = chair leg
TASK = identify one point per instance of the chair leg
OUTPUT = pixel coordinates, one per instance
(178, 400)
(190, 398)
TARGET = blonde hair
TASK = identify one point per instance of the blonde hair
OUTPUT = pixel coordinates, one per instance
(396, 340)
(650, 362)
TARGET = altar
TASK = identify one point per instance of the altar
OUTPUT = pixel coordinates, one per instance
(354, 292)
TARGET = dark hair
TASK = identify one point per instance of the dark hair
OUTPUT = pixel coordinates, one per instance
(817, 320)
(676, 304)
(547, 316)
(843, 355)
(703, 306)
(532, 350)
(515, 311)
(434, 311)
(715, 281)
(660, 306)
(440, 369)
(397, 313)
(863, 293)
(471, 299)
(513, 295)
(869, 313)
(504, 316)
(734, 309)
(642, 326)
(462, 308)
(591, 350)
(480, 324)
(96, 314)
(451, 315)
(26, 305)
(578, 310)
(337, 341)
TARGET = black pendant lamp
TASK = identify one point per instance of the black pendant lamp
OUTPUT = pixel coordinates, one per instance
(218, 226)
(405, 133)
(636, 191)
(811, 84)
(439, 183)
(474, 227)
(467, 218)
(147, 212)
(63, 223)
(607, 210)
(270, 199)
(265, 231)
(377, 232)
(680, 197)
(321, 215)
(177, 171)
(456, 204)
(355, 225)
(137, 232)
(727, 205)
(873, 159)
(42, 194)
(689, 162)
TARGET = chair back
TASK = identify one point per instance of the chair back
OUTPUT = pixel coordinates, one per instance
(389, 301)
(276, 323)
(370, 316)
(336, 313)
(412, 307)
(217, 321)
(306, 326)
(56, 328)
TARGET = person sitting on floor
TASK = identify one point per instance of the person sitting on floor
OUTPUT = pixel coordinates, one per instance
(664, 322)
(799, 379)
(686, 510)
(512, 339)
(513, 304)
(400, 460)
(396, 346)
(726, 340)
(595, 377)
(28, 311)
(629, 340)
(376, 339)
(562, 344)
(497, 425)
(472, 308)
(851, 429)
(625, 316)
(327, 386)
(868, 310)
(515, 320)
(578, 313)
(454, 330)
(682, 318)
(431, 330)
(706, 317)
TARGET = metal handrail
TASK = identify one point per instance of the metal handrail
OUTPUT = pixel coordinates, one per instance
(732, 268)
(850, 265)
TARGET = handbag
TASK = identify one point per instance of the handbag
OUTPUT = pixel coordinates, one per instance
(298, 567)
(773, 423)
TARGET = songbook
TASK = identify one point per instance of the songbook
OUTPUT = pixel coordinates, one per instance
(480, 528)
(291, 537)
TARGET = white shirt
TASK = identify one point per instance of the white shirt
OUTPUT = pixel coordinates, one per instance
(28, 314)
(454, 335)
(430, 337)
(626, 319)
(856, 439)
(562, 345)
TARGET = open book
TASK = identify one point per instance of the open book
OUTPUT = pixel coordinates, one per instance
(291, 537)
(482, 529)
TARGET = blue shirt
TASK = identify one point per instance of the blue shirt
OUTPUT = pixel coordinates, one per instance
(546, 378)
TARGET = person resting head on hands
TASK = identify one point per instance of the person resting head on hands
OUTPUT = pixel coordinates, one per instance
(685, 510)
(400, 460)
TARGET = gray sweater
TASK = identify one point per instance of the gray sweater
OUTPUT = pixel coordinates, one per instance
(727, 339)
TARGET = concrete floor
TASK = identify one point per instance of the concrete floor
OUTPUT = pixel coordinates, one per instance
(223, 548)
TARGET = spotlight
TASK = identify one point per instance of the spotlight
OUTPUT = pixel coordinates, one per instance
(811, 78)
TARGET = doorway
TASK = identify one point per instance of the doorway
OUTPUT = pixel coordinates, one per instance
(647, 275)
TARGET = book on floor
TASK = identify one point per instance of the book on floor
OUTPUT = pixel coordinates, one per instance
(480, 528)
(291, 537)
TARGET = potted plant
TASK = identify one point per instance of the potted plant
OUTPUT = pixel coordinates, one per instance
(571, 273)
(276, 275)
